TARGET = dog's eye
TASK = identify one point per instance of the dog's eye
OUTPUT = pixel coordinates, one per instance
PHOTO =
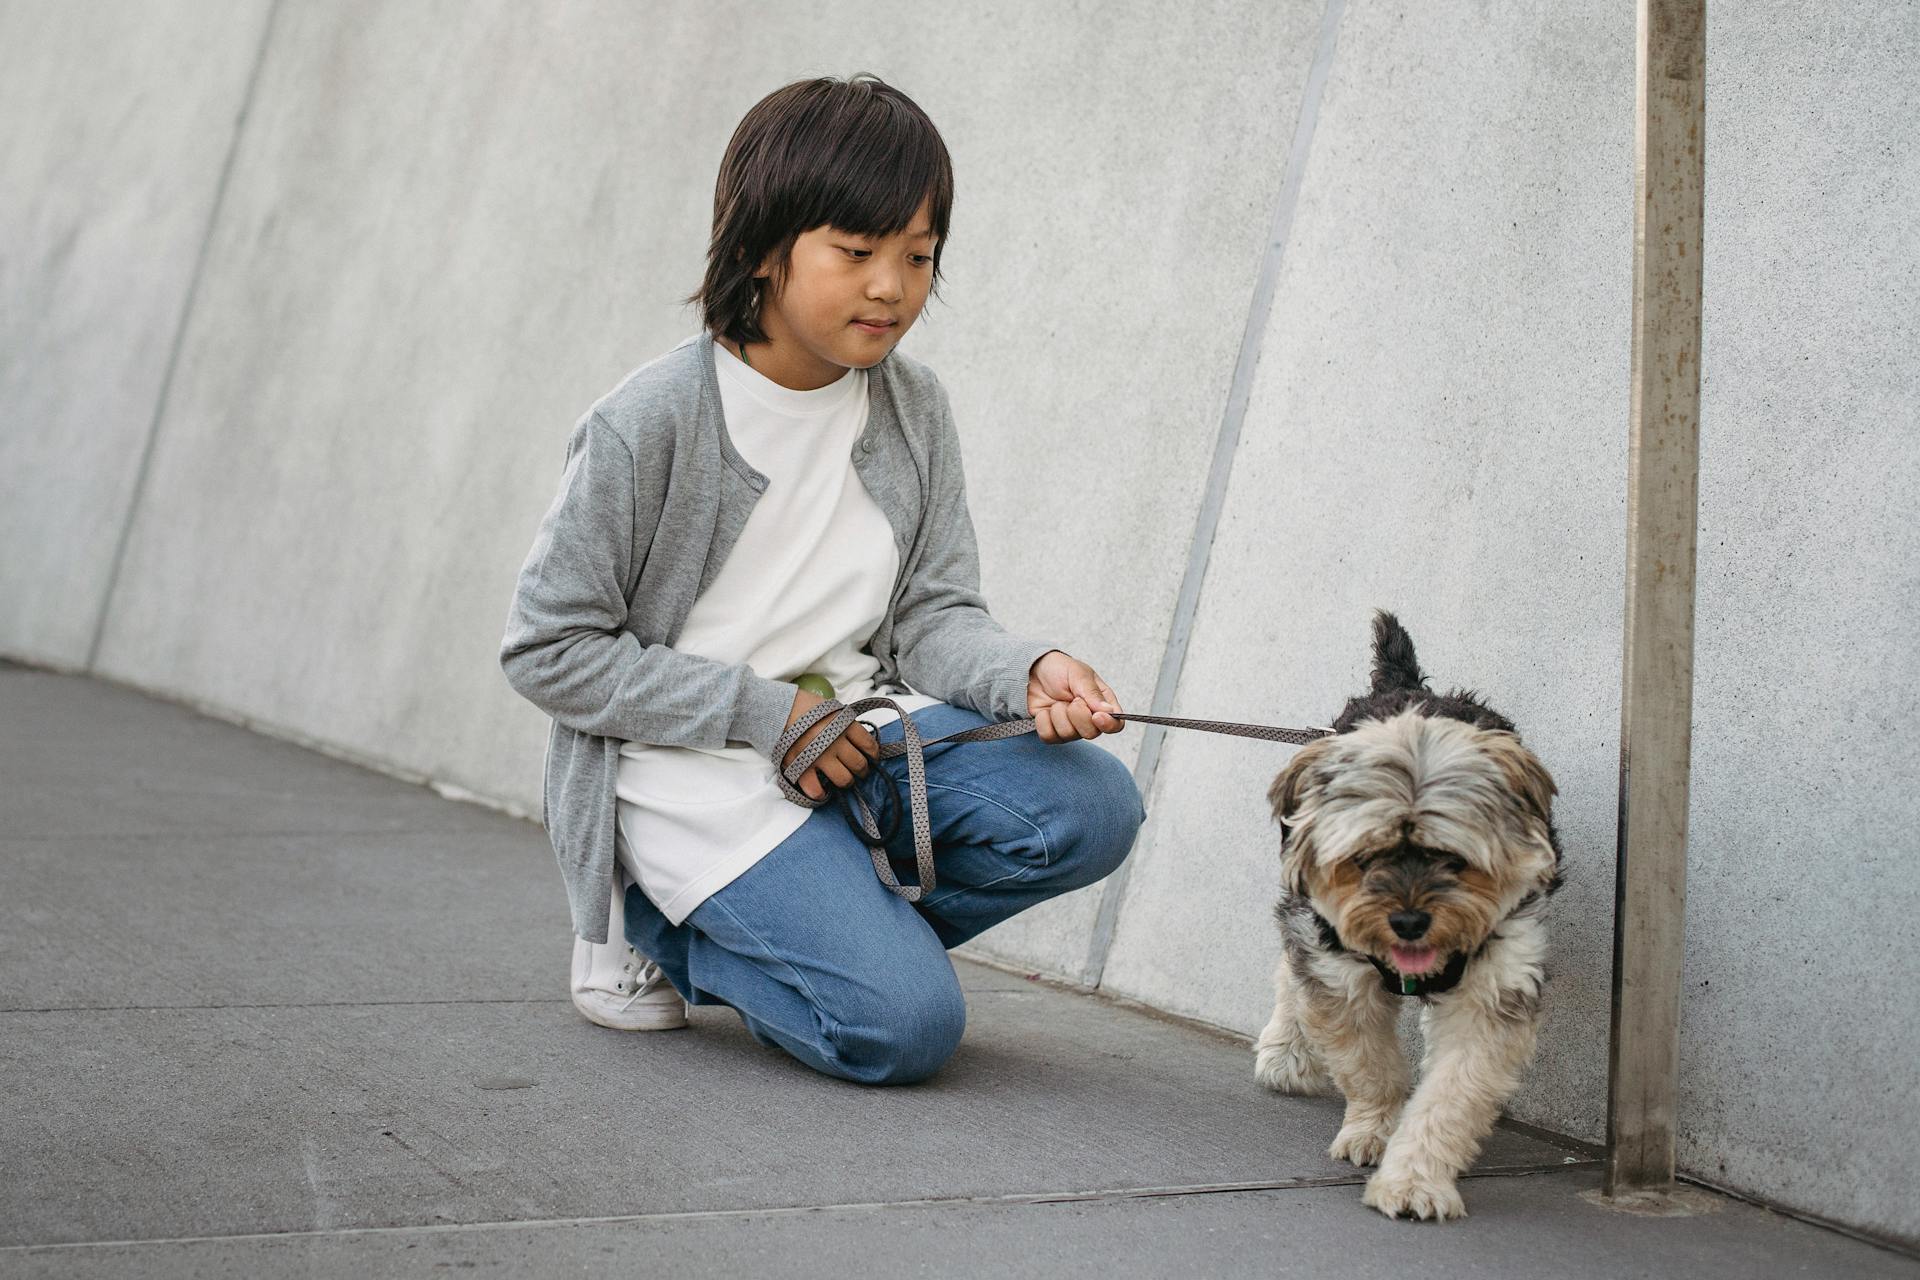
(1455, 863)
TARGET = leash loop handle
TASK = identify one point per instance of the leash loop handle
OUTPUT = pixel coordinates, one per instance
(843, 715)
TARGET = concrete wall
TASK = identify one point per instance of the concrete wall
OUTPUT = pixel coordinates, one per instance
(293, 342)
(1801, 1054)
(111, 163)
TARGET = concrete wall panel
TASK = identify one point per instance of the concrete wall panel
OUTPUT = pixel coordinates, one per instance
(110, 161)
(1437, 427)
(1800, 1034)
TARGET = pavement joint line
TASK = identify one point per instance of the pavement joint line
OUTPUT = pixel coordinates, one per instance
(1587, 1151)
(298, 1004)
(318, 1004)
(210, 836)
(1010, 1200)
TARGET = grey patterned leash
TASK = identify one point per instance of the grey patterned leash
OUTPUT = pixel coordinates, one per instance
(914, 748)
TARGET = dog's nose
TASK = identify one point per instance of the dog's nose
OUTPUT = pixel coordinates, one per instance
(1409, 924)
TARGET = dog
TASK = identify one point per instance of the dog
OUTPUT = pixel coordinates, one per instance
(1418, 852)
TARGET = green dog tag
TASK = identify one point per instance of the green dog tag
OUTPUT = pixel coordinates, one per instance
(816, 684)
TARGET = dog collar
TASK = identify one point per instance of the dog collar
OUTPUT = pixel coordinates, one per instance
(1400, 984)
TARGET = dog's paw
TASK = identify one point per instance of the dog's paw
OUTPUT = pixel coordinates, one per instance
(1399, 1192)
(1358, 1144)
(1290, 1067)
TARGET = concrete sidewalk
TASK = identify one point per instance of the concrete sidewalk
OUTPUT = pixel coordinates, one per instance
(266, 1013)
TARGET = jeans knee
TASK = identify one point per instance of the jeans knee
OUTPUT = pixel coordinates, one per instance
(906, 1036)
(1106, 821)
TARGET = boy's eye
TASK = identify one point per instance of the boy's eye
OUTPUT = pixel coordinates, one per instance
(919, 259)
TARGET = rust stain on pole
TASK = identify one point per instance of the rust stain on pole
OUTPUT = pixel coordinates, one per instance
(1656, 707)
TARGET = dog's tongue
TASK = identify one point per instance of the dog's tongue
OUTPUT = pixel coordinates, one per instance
(1413, 961)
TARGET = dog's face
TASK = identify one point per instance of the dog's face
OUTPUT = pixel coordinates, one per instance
(1414, 835)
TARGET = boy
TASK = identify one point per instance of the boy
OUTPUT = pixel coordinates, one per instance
(671, 572)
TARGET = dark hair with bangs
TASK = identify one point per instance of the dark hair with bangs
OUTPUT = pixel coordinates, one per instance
(857, 155)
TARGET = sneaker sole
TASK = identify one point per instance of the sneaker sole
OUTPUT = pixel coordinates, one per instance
(638, 1018)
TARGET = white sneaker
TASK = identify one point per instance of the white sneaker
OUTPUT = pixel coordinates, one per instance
(617, 987)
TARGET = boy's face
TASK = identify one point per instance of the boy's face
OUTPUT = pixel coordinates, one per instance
(834, 281)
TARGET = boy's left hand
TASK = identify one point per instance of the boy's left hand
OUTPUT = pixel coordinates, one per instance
(1067, 699)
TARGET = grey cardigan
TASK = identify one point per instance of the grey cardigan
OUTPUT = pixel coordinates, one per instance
(652, 497)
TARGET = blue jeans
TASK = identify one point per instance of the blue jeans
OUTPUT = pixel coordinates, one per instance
(822, 961)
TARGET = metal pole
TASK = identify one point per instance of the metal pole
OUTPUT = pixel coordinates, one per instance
(1656, 705)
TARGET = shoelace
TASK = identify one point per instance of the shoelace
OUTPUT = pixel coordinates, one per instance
(643, 980)
(913, 747)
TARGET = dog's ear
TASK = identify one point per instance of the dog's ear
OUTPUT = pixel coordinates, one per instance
(1526, 777)
(1294, 785)
(1394, 663)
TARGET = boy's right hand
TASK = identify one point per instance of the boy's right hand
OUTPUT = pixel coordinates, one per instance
(852, 753)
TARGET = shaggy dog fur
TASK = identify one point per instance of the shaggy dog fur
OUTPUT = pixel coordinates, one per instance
(1417, 853)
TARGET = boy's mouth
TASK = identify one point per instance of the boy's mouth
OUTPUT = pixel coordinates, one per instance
(875, 326)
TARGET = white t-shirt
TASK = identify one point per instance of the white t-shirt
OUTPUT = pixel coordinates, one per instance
(802, 590)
